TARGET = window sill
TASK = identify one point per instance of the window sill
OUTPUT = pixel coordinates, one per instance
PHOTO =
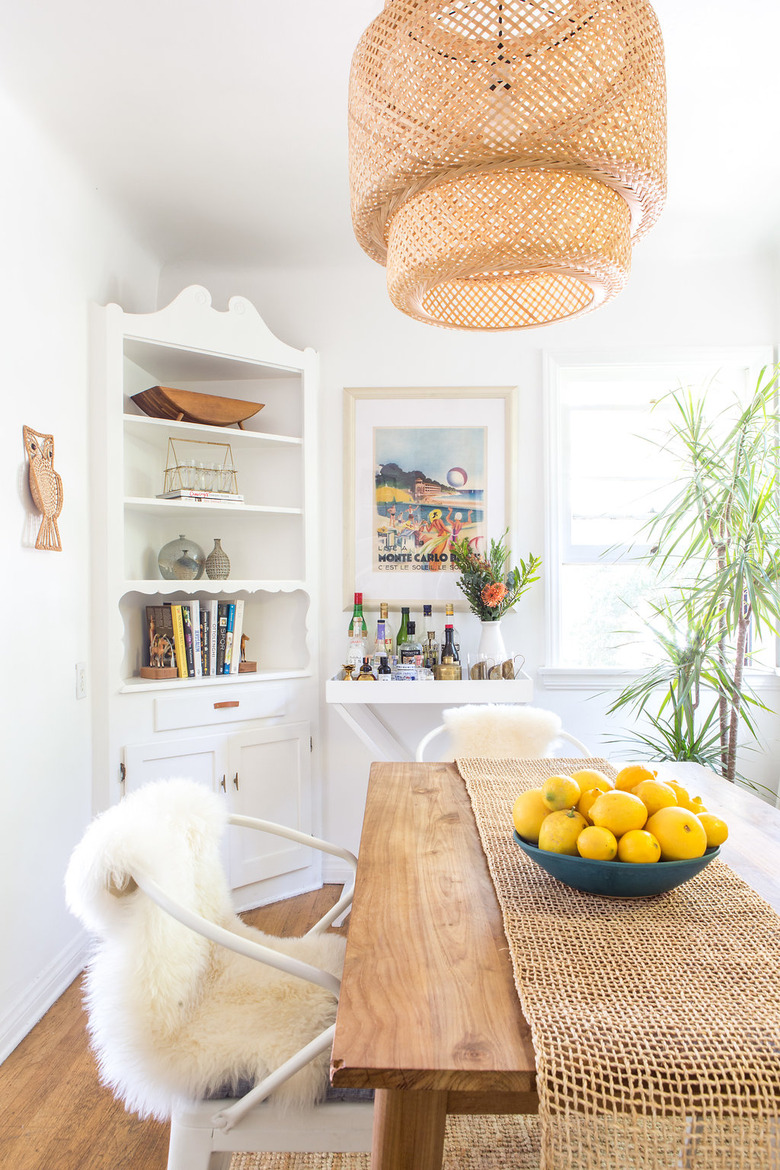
(557, 678)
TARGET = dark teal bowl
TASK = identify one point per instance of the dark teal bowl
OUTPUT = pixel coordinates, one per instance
(616, 879)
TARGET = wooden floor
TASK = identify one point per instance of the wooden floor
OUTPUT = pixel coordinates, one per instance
(54, 1115)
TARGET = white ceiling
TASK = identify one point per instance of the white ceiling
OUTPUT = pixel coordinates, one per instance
(219, 126)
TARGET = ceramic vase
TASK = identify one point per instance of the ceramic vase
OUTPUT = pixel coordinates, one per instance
(217, 562)
(181, 560)
(491, 642)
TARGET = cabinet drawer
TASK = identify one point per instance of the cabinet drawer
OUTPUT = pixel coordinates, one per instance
(216, 709)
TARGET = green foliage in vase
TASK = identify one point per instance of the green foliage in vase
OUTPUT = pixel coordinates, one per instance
(490, 589)
(718, 538)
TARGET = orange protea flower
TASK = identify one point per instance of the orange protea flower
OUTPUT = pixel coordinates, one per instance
(494, 593)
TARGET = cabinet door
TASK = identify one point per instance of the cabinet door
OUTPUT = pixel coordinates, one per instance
(269, 776)
(202, 760)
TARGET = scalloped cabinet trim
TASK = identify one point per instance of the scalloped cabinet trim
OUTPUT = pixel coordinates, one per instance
(237, 332)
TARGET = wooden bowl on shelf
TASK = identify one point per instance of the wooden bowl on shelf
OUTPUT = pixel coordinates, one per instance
(189, 406)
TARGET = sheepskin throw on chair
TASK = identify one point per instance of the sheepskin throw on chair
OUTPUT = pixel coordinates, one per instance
(172, 1016)
(500, 731)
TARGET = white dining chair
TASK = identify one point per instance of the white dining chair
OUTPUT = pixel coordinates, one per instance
(194, 1015)
(501, 731)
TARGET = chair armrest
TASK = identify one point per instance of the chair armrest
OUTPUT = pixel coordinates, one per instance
(426, 739)
(314, 843)
(235, 942)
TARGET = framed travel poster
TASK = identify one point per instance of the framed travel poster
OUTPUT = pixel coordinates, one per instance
(423, 467)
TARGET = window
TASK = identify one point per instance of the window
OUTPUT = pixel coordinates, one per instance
(606, 479)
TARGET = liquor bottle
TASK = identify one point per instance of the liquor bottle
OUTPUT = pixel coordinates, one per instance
(428, 626)
(357, 619)
(449, 617)
(366, 673)
(384, 673)
(449, 651)
(389, 634)
(410, 651)
(402, 629)
(380, 643)
(358, 631)
(430, 651)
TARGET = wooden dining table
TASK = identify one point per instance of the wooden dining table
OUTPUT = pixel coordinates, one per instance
(429, 1016)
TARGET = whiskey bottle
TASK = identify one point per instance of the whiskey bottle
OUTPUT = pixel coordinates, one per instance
(366, 673)
(380, 643)
(384, 673)
(410, 652)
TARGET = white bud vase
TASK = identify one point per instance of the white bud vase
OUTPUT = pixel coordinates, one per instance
(491, 643)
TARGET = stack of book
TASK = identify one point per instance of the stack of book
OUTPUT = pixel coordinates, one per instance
(197, 638)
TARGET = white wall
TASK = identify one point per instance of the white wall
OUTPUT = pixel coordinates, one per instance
(671, 301)
(61, 249)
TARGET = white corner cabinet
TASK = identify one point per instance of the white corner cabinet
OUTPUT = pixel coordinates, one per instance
(147, 729)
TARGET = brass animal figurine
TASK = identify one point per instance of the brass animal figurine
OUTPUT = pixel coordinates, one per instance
(45, 487)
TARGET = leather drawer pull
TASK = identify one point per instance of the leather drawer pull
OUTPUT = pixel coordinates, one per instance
(232, 703)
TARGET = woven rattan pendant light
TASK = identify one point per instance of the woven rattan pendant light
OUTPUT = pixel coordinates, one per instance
(505, 155)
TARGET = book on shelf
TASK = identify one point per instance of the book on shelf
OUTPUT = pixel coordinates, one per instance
(194, 608)
(222, 622)
(238, 625)
(178, 639)
(195, 494)
(213, 612)
(189, 645)
(231, 617)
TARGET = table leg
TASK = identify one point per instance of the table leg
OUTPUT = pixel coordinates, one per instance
(408, 1129)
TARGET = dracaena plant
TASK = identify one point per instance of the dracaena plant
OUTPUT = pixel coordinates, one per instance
(718, 538)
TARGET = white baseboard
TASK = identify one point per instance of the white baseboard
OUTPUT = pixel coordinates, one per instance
(23, 1015)
(335, 872)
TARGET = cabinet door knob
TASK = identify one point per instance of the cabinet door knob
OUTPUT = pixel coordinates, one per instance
(235, 781)
(229, 703)
(222, 784)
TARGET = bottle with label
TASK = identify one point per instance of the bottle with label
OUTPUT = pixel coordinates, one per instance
(380, 643)
(449, 651)
(389, 634)
(431, 651)
(366, 673)
(358, 632)
(449, 618)
(357, 621)
(410, 652)
(402, 629)
(384, 673)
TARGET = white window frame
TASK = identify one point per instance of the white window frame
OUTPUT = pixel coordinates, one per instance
(598, 365)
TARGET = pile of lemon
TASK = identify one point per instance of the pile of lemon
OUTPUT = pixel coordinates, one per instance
(637, 817)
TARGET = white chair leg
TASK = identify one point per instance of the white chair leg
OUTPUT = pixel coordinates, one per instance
(220, 1160)
(189, 1148)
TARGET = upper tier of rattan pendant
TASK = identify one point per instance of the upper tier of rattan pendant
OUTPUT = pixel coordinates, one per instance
(504, 155)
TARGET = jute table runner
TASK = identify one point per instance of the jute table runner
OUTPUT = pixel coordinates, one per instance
(656, 1022)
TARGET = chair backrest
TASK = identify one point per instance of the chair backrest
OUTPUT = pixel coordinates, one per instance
(500, 731)
(172, 1015)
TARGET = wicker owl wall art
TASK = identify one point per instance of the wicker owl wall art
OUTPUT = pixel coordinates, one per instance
(45, 487)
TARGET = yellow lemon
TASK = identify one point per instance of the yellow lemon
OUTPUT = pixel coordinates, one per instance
(618, 812)
(654, 794)
(588, 778)
(717, 830)
(633, 774)
(697, 805)
(597, 843)
(679, 832)
(560, 792)
(560, 830)
(586, 801)
(528, 813)
(683, 799)
(638, 846)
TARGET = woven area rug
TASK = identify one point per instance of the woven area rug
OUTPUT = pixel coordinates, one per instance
(656, 1022)
(472, 1143)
